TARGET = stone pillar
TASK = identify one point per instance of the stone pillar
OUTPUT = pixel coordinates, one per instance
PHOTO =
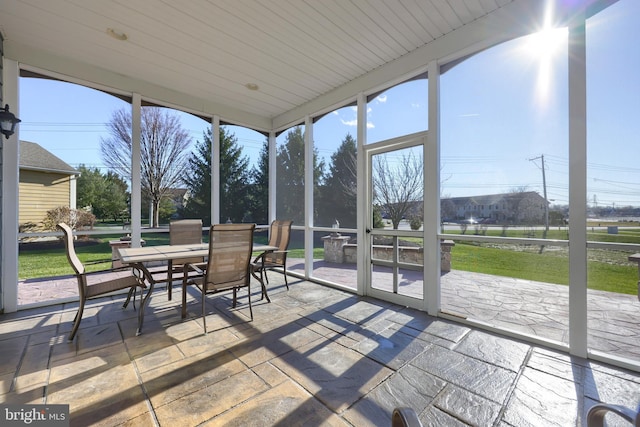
(445, 255)
(333, 245)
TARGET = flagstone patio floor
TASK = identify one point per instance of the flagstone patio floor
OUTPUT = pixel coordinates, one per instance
(315, 355)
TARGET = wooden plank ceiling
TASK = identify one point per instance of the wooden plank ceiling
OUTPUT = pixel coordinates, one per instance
(293, 50)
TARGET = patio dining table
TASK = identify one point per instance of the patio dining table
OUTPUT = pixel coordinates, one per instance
(140, 257)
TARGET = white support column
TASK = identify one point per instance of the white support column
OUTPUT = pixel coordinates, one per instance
(215, 171)
(10, 180)
(431, 199)
(363, 203)
(308, 196)
(136, 170)
(577, 189)
(272, 176)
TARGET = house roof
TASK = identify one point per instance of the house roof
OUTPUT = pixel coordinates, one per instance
(34, 157)
(304, 57)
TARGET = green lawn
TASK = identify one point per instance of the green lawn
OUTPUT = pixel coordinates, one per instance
(52, 262)
(607, 270)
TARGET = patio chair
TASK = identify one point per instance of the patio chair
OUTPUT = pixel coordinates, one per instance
(227, 267)
(181, 232)
(405, 417)
(279, 236)
(596, 414)
(99, 283)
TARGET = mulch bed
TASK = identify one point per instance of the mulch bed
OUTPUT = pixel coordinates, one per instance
(54, 244)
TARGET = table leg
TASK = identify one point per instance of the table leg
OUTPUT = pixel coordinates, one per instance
(259, 279)
(145, 299)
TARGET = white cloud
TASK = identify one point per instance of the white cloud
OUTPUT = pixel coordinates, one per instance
(382, 98)
(353, 122)
(470, 115)
(370, 125)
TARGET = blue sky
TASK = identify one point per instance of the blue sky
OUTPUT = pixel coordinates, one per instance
(501, 109)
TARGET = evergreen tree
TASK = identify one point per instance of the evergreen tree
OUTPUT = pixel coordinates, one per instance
(259, 192)
(339, 193)
(116, 196)
(89, 187)
(290, 176)
(197, 179)
(234, 180)
(105, 195)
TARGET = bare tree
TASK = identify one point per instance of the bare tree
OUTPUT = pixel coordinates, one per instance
(163, 145)
(516, 205)
(397, 188)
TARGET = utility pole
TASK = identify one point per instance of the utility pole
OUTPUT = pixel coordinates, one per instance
(544, 190)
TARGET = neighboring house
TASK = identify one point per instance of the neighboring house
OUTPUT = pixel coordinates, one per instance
(526, 207)
(46, 182)
(178, 197)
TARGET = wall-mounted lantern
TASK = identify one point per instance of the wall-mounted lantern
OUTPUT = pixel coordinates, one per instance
(8, 121)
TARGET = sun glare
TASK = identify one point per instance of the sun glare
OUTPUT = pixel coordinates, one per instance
(541, 49)
(546, 42)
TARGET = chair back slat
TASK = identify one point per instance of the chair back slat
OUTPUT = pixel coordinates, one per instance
(184, 232)
(230, 247)
(72, 257)
(279, 236)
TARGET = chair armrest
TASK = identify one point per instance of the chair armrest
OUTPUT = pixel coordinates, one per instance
(197, 267)
(595, 416)
(98, 261)
(111, 270)
(259, 258)
(405, 417)
(137, 272)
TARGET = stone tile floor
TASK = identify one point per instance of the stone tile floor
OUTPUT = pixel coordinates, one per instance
(523, 306)
(313, 356)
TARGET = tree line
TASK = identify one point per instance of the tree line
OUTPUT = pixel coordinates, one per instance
(167, 164)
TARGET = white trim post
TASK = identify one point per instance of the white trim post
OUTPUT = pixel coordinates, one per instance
(136, 170)
(363, 209)
(10, 191)
(577, 189)
(272, 177)
(431, 199)
(308, 196)
(73, 192)
(215, 170)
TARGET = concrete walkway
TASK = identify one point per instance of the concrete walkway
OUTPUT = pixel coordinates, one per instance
(313, 356)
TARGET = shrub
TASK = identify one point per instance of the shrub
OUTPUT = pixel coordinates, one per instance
(75, 218)
(415, 223)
